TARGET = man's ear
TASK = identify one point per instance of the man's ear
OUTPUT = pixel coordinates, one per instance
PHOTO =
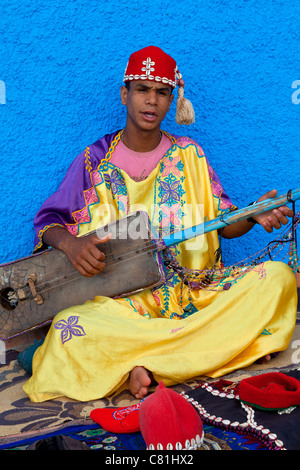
(124, 93)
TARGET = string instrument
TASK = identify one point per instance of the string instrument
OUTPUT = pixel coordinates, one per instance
(35, 288)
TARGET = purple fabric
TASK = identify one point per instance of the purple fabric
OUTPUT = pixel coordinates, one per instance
(69, 197)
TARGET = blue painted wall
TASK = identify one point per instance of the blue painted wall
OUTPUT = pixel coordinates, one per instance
(62, 64)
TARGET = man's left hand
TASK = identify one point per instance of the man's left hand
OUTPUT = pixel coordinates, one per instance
(274, 218)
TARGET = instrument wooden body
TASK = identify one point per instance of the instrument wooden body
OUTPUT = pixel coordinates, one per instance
(34, 289)
(57, 285)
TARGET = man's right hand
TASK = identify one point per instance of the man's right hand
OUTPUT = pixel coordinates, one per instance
(82, 252)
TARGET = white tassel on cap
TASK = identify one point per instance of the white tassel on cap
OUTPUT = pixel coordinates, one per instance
(185, 113)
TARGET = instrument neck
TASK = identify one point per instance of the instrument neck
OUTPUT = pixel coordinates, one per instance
(227, 219)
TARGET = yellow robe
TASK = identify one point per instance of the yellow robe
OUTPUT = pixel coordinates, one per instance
(91, 348)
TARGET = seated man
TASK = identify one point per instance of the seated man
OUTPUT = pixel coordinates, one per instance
(172, 332)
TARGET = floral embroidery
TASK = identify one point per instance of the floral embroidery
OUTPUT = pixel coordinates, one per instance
(115, 182)
(171, 166)
(169, 191)
(161, 294)
(69, 328)
(171, 216)
(91, 196)
(170, 279)
(96, 178)
(265, 332)
(82, 216)
(169, 197)
(261, 270)
(73, 229)
(123, 203)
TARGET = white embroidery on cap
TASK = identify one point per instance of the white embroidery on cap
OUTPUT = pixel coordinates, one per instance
(148, 69)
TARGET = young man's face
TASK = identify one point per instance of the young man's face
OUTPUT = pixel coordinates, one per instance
(147, 103)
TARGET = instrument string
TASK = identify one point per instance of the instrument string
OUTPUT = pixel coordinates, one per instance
(148, 247)
(42, 287)
(151, 247)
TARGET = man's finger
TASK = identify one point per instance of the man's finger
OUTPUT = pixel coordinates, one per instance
(280, 216)
(286, 211)
(96, 253)
(103, 239)
(90, 267)
(269, 195)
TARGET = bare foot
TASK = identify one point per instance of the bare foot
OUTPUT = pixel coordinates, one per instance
(264, 359)
(139, 381)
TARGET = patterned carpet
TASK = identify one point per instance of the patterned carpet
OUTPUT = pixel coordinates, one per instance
(23, 422)
(97, 438)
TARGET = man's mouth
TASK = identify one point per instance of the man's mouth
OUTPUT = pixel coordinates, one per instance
(149, 115)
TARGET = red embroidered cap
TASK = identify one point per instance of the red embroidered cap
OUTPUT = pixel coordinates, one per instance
(120, 420)
(271, 391)
(152, 63)
(168, 421)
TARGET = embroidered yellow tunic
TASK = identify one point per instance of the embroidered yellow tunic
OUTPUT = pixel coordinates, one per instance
(175, 333)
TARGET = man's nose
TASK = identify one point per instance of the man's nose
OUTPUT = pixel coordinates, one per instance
(152, 97)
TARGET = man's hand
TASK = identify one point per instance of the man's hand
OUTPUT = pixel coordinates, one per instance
(274, 218)
(268, 220)
(82, 252)
(84, 255)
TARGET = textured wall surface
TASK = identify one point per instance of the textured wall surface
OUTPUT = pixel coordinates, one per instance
(62, 64)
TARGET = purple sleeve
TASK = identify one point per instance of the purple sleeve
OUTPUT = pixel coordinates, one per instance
(223, 201)
(59, 208)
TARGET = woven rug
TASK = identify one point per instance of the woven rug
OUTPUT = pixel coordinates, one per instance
(24, 421)
(97, 438)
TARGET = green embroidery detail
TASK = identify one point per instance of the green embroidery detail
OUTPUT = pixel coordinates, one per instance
(265, 332)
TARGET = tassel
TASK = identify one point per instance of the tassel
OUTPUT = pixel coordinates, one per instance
(185, 113)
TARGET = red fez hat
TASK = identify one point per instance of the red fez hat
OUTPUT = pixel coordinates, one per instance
(168, 421)
(270, 391)
(152, 63)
